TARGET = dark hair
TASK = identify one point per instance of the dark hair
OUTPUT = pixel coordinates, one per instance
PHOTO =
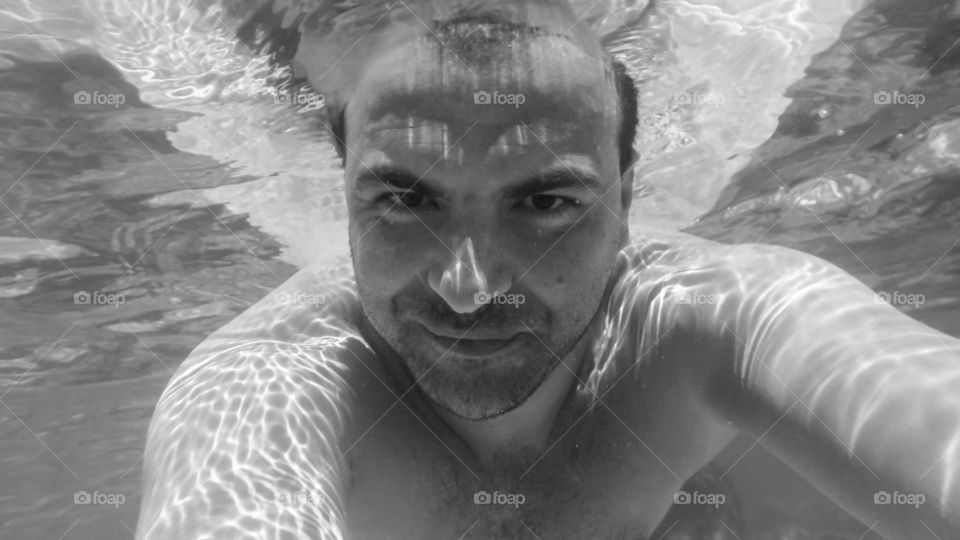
(278, 34)
(626, 95)
(628, 99)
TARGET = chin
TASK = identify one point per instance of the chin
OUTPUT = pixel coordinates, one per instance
(480, 389)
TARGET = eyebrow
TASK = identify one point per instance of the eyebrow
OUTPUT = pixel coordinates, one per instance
(396, 177)
(554, 178)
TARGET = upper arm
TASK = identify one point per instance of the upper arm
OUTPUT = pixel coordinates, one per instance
(246, 444)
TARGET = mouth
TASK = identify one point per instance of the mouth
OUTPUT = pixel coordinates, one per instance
(472, 344)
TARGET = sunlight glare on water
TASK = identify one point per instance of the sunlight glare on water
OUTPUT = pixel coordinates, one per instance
(702, 108)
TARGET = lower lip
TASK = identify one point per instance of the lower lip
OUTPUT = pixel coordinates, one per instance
(474, 347)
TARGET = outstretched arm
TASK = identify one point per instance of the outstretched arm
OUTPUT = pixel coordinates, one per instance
(862, 399)
(857, 395)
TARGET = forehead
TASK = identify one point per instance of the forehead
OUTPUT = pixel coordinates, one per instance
(491, 82)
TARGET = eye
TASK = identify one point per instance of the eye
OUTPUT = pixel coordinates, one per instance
(547, 203)
(406, 199)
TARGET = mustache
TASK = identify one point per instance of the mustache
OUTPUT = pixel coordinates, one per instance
(431, 308)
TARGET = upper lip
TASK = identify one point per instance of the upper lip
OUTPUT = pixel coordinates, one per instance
(477, 334)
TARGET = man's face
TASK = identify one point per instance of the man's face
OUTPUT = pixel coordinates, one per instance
(454, 193)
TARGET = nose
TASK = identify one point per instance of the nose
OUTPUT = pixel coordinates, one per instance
(466, 281)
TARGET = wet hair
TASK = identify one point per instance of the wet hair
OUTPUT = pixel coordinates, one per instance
(277, 33)
(626, 96)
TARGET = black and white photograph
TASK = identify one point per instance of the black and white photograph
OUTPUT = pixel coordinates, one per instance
(479, 270)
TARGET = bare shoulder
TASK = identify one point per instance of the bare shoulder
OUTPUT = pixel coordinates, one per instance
(246, 440)
(729, 296)
(314, 303)
(676, 250)
(687, 270)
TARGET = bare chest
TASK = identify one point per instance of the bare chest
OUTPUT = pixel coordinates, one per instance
(611, 470)
(604, 486)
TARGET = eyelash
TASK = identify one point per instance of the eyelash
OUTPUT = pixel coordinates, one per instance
(569, 204)
(393, 199)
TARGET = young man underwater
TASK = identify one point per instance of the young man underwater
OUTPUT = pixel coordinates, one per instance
(505, 359)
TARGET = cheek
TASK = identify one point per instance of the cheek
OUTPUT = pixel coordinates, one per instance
(568, 277)
(384, 260)
(571, 276)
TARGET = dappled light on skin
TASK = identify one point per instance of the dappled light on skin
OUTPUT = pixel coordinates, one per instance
(242, 443)
(261, 404)
(849, 370)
